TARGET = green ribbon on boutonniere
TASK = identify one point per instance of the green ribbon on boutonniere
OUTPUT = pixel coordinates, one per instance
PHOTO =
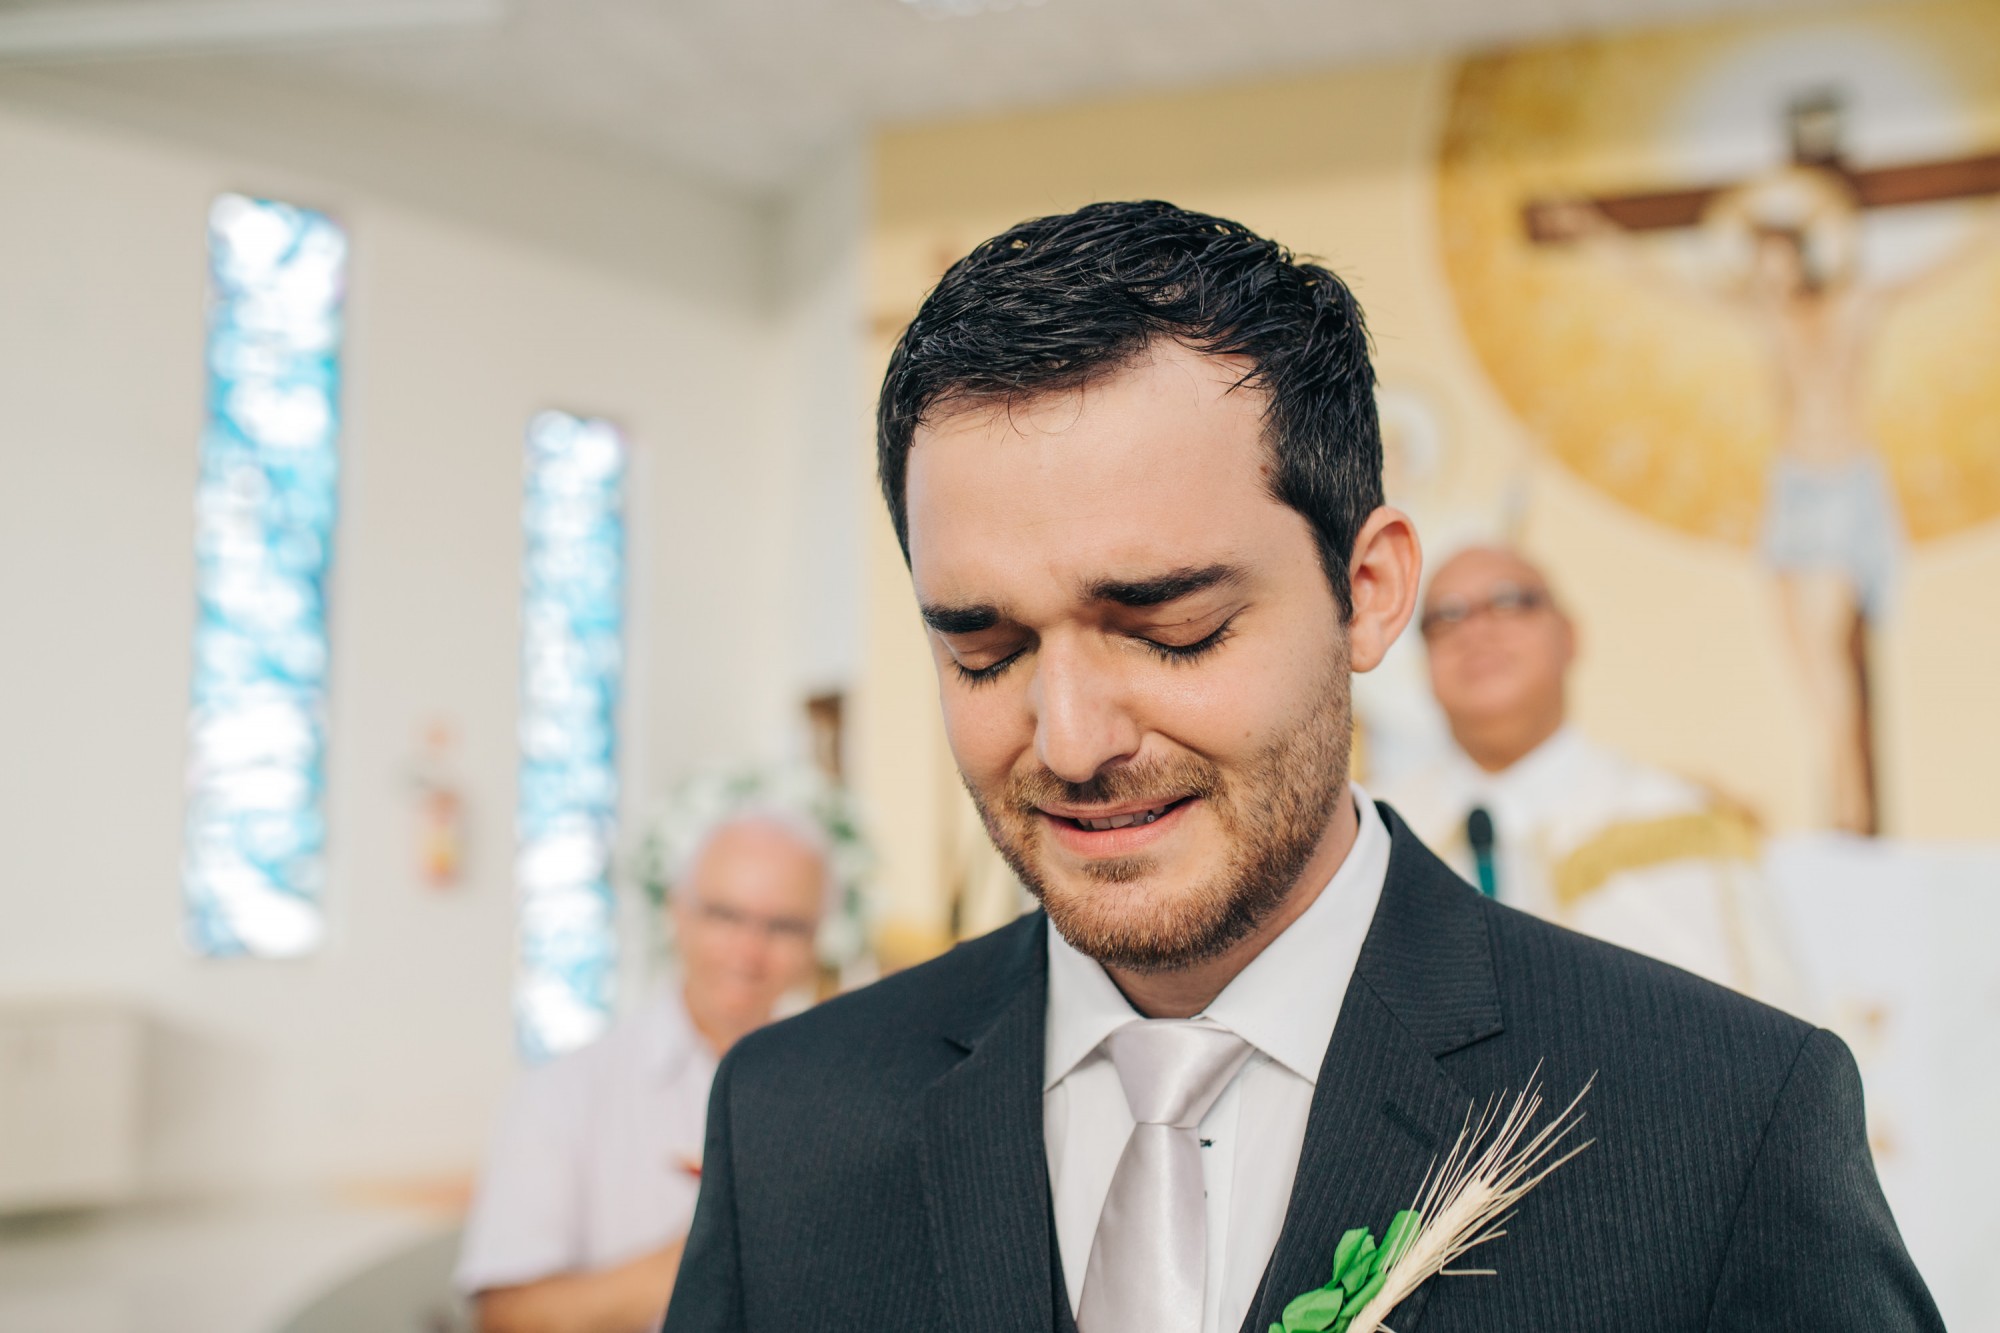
(1360, 1267)
(1464, 1202)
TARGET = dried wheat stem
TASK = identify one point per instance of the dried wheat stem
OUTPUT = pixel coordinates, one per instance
(1467, 1199)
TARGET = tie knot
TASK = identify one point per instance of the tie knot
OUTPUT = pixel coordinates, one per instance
(1173, 1069)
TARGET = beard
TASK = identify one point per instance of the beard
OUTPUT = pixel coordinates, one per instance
(1272, 812)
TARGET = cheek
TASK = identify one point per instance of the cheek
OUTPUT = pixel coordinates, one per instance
(1216, 715)
(720, 952)
(1557, 648)
(697, 950)
(1241, 701)
(1439, 670)
(1536, 663)
(1450, 671)
(796, 963)
(987, 727)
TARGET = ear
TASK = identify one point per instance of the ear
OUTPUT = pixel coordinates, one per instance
(1382, 575)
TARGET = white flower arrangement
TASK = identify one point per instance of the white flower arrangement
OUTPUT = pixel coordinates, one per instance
(675, 833)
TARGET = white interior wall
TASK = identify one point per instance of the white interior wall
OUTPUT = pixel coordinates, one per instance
(385, 1053)
(821, 269)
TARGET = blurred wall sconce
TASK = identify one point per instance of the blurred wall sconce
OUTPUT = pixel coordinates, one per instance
(440, 809)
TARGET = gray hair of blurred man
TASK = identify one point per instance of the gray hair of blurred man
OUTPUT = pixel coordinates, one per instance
(801, 829)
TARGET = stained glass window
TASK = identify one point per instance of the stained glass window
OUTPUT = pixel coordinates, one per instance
(572, 662)
(264, 520)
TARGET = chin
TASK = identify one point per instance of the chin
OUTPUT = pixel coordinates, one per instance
(1131, 917)
(1491, 706)
(752, 1007)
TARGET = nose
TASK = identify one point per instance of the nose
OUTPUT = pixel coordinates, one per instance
(1083, 718)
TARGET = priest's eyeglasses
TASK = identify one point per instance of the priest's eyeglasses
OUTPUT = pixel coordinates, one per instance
(1507, 601)
(770, 927)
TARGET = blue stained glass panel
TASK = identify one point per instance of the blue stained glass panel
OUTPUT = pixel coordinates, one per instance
(264, 521)
(573, 599)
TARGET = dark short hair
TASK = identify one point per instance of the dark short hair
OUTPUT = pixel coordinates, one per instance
(1046, 305)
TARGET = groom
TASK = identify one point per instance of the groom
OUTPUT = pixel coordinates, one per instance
(1131, 454)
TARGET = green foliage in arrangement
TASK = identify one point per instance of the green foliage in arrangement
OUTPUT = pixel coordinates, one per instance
(1360, 1267)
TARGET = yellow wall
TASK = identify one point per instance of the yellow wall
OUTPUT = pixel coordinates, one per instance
(1683, 662)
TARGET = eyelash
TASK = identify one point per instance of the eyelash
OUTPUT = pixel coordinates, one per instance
(1169, 652)
(1188, 652)
(980, 675)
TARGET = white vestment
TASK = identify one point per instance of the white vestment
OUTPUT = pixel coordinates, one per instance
(1596, 842)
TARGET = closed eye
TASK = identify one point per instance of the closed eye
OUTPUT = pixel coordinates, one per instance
(1171, 652)
(1188, 652)
(980, 675)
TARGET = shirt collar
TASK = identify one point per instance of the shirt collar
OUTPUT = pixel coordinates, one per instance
(1539, 780)
(1284, 1003)
(670, 1039)
(1548, 765)
(1085, 1007)
(1546, 770)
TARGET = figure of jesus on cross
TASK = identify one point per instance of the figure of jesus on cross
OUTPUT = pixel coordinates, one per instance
(1831, 532)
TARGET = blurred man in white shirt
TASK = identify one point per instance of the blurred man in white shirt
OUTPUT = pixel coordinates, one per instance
(1540, 816)
(591, 1183)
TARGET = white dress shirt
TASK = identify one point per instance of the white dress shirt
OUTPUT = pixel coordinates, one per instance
(598, 1155)
(1284, 1004)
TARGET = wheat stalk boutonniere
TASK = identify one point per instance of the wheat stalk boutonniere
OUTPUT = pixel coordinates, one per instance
(1463, 1202)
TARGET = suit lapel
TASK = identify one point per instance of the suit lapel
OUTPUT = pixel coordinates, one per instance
(984, 1160)
(1384, 1108)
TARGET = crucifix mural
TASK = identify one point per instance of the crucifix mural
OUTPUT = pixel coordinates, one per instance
(1788, 262)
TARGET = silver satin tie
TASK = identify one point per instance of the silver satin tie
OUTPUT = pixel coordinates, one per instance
(1149, 1258)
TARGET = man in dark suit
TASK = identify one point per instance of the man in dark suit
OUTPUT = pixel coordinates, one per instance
(1132, 456)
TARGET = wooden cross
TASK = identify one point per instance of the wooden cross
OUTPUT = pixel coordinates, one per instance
(1815, 125)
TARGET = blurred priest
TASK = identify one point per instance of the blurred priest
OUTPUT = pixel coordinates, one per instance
(1541, 817)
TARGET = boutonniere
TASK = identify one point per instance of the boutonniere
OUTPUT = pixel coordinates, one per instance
(1462, 1203)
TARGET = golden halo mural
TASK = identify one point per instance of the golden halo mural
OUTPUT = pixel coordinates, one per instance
(1693, 260)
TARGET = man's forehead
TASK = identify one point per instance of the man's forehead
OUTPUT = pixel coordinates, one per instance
(1480, 568)
(753, 842)
(1163, 366)
(1153, 469)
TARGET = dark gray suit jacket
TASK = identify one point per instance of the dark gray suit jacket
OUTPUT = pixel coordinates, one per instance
(877, 1163)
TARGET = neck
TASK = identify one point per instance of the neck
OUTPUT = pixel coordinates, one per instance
(1185, 992)
(1497, 748)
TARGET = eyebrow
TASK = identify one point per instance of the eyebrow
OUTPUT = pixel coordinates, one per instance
(1156, 591)
(961, 619)
(1164, 588)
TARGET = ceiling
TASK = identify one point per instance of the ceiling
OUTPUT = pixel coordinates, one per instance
(752, 92)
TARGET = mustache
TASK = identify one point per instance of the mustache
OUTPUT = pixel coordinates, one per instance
(1162, 781)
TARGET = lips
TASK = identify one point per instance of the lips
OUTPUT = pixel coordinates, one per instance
(1124, 821)
(1117, 819)
(1117, 832)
